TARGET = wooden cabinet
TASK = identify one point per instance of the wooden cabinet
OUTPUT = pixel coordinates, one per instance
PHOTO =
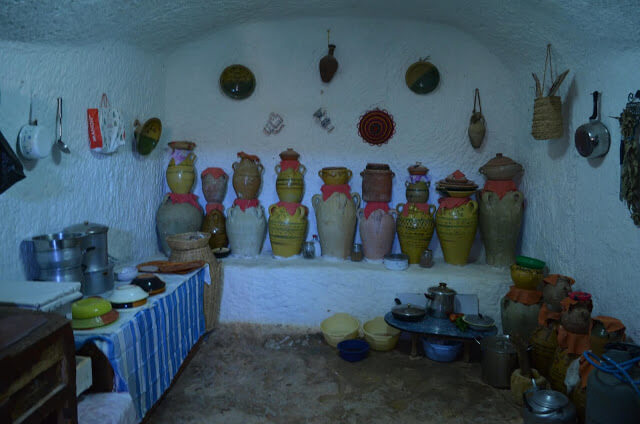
(37, 368)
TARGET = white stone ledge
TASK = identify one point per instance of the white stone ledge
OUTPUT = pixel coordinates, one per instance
(303, 292)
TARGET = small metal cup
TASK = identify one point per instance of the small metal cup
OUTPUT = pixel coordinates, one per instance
(356, 252)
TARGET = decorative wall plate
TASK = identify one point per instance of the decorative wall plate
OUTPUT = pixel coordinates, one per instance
(422, 77)
(237, 82)
(376, 127)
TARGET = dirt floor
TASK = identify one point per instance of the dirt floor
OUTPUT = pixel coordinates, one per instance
(272, 374)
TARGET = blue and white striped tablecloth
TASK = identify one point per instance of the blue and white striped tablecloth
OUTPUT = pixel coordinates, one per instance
(147, 347)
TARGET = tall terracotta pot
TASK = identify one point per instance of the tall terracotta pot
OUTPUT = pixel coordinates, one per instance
(377, 233)
(290, 184)
(176, 218)
(215, 224)
(500, 221)
(214, 184)
(456, 228)
(415, 230)
(246, 230)
(247, 176)
(336, 221)
(377, 183)
(287, 231)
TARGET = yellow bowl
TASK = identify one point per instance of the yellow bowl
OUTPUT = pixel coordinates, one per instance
(526, 278)
(339, 327)
(380, 335)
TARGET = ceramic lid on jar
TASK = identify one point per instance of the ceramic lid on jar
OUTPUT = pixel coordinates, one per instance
(418, 169)
(442, 289)
(500, 160)
(289, 154)
(87, 228)
(457, 180)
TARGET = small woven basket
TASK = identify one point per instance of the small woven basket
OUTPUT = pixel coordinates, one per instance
(194, 246)
(547, 118)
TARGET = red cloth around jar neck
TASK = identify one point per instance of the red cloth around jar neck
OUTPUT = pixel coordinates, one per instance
(526, 297)
(329, 189)
(453, 202)
(500, 187)
(286, 164)
(214, 172)
(573, 342)
(214, 206)
(424, 207)
(291, 207)
(374, 206)
(246, 203)
(545, 315)
(190, 198)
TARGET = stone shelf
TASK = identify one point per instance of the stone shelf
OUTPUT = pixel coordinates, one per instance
(303, 292)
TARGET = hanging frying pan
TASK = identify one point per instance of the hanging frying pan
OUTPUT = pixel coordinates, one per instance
(593, 139)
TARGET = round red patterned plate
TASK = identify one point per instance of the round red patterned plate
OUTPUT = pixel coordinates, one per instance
(376, 127)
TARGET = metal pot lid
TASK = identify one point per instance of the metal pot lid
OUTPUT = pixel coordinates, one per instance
(500, 160)
(546, 400)
(418, 169)
(498, 344)
(87, 228)
(408, 310)
(442, 289)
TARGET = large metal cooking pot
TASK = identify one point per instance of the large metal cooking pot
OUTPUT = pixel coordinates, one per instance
(593, 139)
(73, 274)
(58, 250)
(97, 281)
(93, 238)
(441, 300)
(499, 360)
(547, 406)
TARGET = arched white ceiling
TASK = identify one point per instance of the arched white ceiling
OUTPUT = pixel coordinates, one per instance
(509, 27)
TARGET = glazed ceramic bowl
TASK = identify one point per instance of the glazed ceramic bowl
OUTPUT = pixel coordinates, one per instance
(380, 335)
(396, 261)
(90, 307)
(221, 252)
(335, 175)
(126, 273)
(128, 296)
(180, 178)
(339, 327)
(149, 283)
(526, 278)
(95, 322)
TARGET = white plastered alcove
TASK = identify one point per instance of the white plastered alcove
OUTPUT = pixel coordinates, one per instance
(573, 217)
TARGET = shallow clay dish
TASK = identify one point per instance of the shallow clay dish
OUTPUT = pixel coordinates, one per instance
(95, 322)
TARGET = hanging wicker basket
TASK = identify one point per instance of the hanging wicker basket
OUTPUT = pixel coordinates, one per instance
(547, 118)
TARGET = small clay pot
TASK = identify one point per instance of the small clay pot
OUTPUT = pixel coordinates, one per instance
(501, 168)
(289, 154)
(214, 184)
(577, 318)
(377, 183)
(417, 192)
(335, 175)
(418, 169)
(553, 294)
(328, 65)
(215, 224)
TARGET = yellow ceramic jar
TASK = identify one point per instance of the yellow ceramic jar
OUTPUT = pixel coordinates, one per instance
(526, 278)
(456, 228)
(290, 184)
(286, 231)
(180, 178)
(415, 230)
(335, 175)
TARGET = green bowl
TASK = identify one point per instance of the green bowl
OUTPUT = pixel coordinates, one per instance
(89, 307)
(528, 262)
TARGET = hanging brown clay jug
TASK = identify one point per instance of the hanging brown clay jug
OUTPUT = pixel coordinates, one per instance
(377, 233)
(576, 318)
(415, 229)
(214, 184)
(328, 65)
(456, 228)
(377, 183)
(500, 220)
(336, 221)
(477, 124)
(215, 224)
(287, 230)
(247, 176)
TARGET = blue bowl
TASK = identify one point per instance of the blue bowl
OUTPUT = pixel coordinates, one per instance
(441, 350)
(353, 350)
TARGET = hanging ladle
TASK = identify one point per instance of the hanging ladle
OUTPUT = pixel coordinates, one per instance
(61, 144)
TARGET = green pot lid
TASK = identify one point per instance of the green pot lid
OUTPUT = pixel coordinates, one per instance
(148, 136)
(90, 307)
(237, 82)
(422, 77)
(528, 262)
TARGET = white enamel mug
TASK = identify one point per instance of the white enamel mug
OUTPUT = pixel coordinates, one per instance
(35, 141)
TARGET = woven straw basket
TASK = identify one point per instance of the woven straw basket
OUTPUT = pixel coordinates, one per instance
(547, 118)
(195, 246)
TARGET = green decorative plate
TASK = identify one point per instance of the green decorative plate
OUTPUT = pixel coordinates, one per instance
(148, 135)
(237, 82)
(528, 262)
(422, 77)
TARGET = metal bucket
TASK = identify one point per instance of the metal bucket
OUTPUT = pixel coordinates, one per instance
(97, 281)
(499, 360)
(57, 250)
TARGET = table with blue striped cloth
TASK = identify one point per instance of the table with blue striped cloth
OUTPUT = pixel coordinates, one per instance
(146, 347)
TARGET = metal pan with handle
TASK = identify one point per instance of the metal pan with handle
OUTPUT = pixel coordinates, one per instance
(407, 311)
(593, 139)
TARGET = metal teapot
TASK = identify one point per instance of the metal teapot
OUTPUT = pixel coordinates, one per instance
(547, 406)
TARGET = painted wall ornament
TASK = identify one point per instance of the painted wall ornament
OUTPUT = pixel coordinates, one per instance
(237, 82)
(422, 77)
(376, 127)
(323, 119)
(274, 124)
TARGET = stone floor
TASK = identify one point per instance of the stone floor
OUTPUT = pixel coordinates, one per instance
(272, 374)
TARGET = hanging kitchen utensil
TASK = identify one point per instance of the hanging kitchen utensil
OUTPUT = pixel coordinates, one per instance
(547, 110)
(592, 140)
(11, 170)
(61, 144)
(630, 156)
(34, 141)
(147, 135)
(477, 124)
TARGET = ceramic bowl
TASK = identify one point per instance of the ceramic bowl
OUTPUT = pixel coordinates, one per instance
(339, 327)
(90, 307)
(128, 296)
(396, 261)
(221, 252)
(380, 335)
(126, 273)
(479, 322)
(353, 350)
(149, 283)
(95, 322)
(335, 175)
(526, 278)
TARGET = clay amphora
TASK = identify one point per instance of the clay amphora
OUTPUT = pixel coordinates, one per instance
(290, 184)
(456, 228)
(214, 184)
(415, 230)
(176, 218)
(246, 230)
(377, 183)
(328, 65)
(336, 221)
(287, 232)
(377, 233)
(558, 371)
(577, 318)
(180, 178)
(247, 176)
(544, 341)
(500, 221)
(417, 192)
(552, 295)
(215, 224)
(518, 318)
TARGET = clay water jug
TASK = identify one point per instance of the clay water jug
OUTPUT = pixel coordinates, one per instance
(214, 184)
(577, 316)
(377, 183)
(328, 65)
(336, 221)
(553, 294)
(290, 184)
(287, 231)
(176, 218)
(216, 224)
(544, 342)
(246, 230)
(377, 233)
(456, 228)
(247, 176)
(500, 220)
(518, 318)
(415, 229)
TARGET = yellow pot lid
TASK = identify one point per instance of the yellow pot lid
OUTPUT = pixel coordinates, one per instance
(90, 307)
